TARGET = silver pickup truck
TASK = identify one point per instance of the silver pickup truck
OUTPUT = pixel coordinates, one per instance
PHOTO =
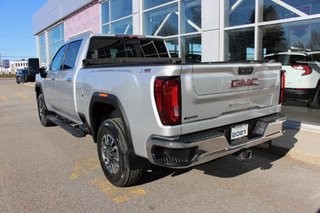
(140, 105)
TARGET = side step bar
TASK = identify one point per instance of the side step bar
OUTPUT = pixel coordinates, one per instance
(69, 128)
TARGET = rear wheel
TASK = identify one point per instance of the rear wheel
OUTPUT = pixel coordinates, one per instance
(113, 154)
(315, 103)
(43, 112)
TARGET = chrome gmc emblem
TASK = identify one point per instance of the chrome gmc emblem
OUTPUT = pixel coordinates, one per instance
(244, 82)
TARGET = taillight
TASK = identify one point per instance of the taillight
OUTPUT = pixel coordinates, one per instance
(282, 86)
(167, 97)
(307, 70)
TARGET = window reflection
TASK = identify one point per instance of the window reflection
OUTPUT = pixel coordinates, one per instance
(239, 12)
(106, 29)
(120, 8)
(283, 37)
(56, 39)
(152, 3)
(122, 27)
(173, 47)
(239, 45)
(191, 16)
(105, 12)
(282, 9)
(191, 49)
(42, 48)
(162, 21)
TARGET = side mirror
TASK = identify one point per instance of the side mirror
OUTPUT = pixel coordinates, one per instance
(43, 72)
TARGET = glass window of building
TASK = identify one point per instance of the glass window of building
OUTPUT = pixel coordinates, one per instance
(120, 8)
(162, 21)
(239, 45)
(152, 3)
(122, 27)
(191, 49)
(276, 10)
(113, 12)
(301, 36)
(190, 16)
(105, 13)
(106, 29)
(56, 39)
(42, 49)
(173, 47)
(238, 12)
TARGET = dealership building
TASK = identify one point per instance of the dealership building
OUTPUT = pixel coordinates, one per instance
(195, 30)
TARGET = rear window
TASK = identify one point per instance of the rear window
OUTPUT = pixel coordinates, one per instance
(270, 58)
(290, 59)
(108, 47)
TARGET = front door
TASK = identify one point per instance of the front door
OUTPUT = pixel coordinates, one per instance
(48, 84)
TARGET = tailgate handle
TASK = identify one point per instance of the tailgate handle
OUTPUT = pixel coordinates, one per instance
(245, 70)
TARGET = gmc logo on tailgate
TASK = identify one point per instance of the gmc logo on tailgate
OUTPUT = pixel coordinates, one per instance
(244, 82)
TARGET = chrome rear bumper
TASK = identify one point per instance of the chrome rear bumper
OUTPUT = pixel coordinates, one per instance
(198, 148)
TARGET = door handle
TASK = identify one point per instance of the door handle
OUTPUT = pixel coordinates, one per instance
(52, 78)
(69, 79)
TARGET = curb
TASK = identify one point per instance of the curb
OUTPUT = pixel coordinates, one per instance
(297, 125)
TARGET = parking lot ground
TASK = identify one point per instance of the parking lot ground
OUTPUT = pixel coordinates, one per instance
(297, 111)
(48, 170)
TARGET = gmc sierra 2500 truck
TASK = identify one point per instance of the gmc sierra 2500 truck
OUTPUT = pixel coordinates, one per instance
(140, 105)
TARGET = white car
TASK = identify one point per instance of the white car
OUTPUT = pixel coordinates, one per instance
(302, 75)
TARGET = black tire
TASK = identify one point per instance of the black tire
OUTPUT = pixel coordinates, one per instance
(113, 154)
(43, 111)
(18, 80)
(315, 103)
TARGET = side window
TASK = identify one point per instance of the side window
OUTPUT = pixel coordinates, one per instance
(71, 55)
(57, 60)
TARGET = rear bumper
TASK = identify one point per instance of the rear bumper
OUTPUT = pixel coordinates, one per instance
(299, 94)
(201, 147)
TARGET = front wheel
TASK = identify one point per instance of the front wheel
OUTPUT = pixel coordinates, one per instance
(113, 154)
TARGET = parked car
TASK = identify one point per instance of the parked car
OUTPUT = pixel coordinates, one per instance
(21, 75)
(302, 75)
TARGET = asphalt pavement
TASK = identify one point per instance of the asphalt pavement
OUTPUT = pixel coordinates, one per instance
(48, 170)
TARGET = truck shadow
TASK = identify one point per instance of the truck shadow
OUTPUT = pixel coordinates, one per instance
(230, 166)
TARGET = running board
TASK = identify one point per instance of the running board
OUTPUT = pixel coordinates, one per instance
(69, 128)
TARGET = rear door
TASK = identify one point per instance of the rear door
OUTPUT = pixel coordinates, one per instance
(65, 83)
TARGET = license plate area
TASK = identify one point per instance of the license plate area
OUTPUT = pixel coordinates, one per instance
(239, 131)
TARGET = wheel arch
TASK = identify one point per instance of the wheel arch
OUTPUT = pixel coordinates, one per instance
(38, 89)
(105, 106)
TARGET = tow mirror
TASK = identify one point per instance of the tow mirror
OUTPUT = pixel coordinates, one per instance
(43, 72)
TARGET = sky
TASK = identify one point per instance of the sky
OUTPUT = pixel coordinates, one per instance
(16, 38)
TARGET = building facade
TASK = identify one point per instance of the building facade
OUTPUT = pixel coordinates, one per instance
(195, 30)
(18, 64)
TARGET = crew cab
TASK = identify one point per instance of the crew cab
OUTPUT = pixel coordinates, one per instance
(302, 69)
(142, 106)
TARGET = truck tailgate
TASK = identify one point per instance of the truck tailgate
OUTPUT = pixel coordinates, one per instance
(210, 91)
